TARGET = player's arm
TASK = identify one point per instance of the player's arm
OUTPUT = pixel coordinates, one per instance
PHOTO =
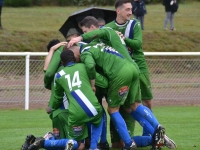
(94, 34)
(87, 59)
(51, 52)
(52, 68)
(136, 42)
(101, 81)
(58, 96)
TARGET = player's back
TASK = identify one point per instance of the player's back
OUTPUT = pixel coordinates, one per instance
(75, 82)
(106, 58)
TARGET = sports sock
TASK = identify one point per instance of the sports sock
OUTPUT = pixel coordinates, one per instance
(104, 128)
(146, 113)
(95, 135)
(121, 128)
(49, 144)
(143, 141)
(143, 122)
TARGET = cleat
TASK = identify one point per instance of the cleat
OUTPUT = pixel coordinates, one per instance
(132, 147)
(103, 146)
(30, 139)
(49, 136)
(158, 138)
(69, 145)
(169, 143)
(39, 143)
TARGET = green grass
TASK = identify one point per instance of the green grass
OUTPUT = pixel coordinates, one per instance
(181, 123)
(30, 29)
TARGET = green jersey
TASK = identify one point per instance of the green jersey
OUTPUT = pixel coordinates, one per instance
(74, 82)
(109, 37)
(133, 39)
(64, 105)
(101, 57)
(56, 62)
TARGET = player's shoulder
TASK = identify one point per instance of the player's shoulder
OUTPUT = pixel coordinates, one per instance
(59, 50)
(60, 74)
(110, 23)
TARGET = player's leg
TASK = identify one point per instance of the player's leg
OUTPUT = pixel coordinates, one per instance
(146, 90)
(103, 144)
(146, 93)
(143, 114)
(67, 144)
(117, 94)
(95, 134)
(130, 123)
(59, 122)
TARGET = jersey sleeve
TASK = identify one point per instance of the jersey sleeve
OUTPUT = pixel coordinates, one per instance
(136, 42)
(101, 81)
(87, 59)
(52, 68)
(58, 95)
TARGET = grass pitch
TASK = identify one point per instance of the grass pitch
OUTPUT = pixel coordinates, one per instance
(181, 123)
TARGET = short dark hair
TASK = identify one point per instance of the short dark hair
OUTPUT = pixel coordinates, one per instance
(67, 56)
(88, 21)
(52, 43)
(101, 20)
(119, 3)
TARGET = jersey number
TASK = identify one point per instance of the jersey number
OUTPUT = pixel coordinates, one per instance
(75, 80)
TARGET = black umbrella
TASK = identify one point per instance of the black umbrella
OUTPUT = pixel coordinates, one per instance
(72, 22)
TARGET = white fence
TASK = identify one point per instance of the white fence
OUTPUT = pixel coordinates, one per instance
(173, 78)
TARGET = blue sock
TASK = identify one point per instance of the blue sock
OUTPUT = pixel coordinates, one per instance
(143, 122)
(104, 128)
(143, 141)
(61, 144)
(121, 128)
(145, 133)
(95, 135)
(146, 113)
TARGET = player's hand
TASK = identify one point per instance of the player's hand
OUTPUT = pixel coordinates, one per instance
(120, 34)
(48, 110)
(94, 89)
(81, 146)
(74, 40)
(55, 47)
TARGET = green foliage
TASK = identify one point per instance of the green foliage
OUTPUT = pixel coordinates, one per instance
(18, 3)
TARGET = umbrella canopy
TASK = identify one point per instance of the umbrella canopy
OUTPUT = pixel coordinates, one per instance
(72, 22)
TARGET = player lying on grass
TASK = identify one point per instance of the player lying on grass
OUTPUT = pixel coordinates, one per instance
(50, 142)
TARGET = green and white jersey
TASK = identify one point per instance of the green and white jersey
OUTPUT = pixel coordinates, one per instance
(133, 39)
(102, 58)
(74, 82)
(55, 63)
(109, 37)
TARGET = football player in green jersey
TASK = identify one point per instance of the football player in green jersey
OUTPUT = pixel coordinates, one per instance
(131, 30)
(83, 105)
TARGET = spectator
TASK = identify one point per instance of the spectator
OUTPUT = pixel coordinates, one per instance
(1, 5)
(171, 6)
(139, 10)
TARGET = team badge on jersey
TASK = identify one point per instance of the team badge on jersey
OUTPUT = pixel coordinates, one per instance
(123, 91)
(77, 130)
